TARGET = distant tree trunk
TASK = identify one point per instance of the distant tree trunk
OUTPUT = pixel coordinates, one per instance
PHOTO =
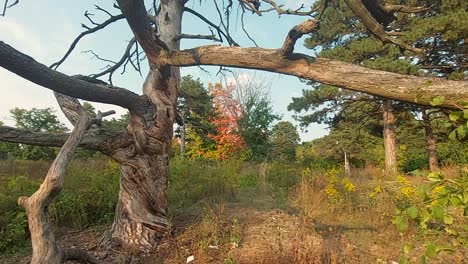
(430, 142)
(182, 136)
(347, 167)
(389, 138)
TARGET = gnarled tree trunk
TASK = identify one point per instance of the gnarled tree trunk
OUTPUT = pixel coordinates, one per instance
(141, 213)
(389, 138)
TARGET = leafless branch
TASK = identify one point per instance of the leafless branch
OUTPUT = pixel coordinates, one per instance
(243, 28)
(251, 5)
(295, 33)
(109, 21)
(5, 6)
(137, 17)
(26, 67)
(221, 33)
(221, 20)
(94, 55)
(88, 15)
(103, 10)
(198, 36)
(282, 11)
(126, 56)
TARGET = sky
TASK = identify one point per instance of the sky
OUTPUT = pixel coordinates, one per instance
(45, 29)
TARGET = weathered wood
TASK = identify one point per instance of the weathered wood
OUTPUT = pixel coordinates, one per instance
(96, 139)
(44, 245)
(141, 213)
(412, 89)
(28, 68)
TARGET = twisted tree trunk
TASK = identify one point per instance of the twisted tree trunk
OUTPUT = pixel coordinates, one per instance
(141, 213)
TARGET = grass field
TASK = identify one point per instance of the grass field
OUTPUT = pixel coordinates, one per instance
(234, 212)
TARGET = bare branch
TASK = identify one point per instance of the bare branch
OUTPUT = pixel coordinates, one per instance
(103, 10)
(412, 89)
(26, 67)
(190, 36)
(251, 5)
(296, 33)
(94, 139)
(88, 16)
(373, 26)
(82, 34)
(221, 33)
(296, 12)
(245, 31)
(137, 17)
(125, 57)
(221, 20)
(5, 6)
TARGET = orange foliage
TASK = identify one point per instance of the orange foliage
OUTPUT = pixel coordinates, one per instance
(228, 141)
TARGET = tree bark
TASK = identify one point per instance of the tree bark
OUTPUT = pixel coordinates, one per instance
(141, 213)
(430, 142)
(44, 247)
(389, 138)
(412, 89)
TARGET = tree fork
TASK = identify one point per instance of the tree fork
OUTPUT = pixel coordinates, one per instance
(45, 249)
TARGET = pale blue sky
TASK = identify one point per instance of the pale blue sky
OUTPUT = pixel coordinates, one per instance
(45, 29)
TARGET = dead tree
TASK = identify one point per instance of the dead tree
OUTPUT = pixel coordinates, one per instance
(143, 150)
(44, 245)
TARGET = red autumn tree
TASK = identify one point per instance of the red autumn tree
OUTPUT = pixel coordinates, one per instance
(227, 138)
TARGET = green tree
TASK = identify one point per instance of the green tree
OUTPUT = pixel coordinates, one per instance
(337, 38)
(284, 141)
(37, 120)
(8, 150)
(256, 118)
(195, 110)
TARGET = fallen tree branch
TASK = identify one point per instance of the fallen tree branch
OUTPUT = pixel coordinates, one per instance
(412, 89)
(95, 139)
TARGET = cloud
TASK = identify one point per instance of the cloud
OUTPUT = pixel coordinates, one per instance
(23, 39)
